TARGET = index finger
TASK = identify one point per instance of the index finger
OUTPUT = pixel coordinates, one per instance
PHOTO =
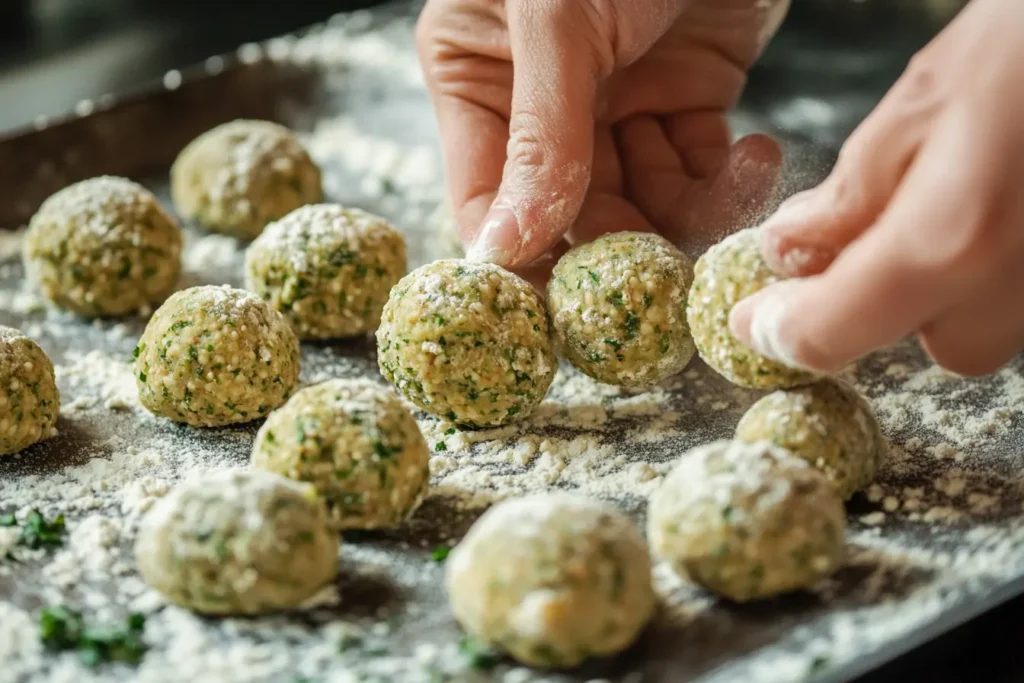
(470, 88)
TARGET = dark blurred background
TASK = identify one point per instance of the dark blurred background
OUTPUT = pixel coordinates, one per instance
(832, 61)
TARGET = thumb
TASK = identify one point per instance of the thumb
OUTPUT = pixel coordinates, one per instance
(551, 130)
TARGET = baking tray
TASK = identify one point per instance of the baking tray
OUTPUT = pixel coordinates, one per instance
(939, 539)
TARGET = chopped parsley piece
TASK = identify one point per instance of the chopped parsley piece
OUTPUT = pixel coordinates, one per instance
(62, 629)
(142, 377)
(615, 299)
(440, 446)
(36, 531)
(383, 450)
(450, 431)
(478, 655)
(614, 343)
(138, 349)
(440, 553)
(632, 324)
(349, 641)
(180, 325)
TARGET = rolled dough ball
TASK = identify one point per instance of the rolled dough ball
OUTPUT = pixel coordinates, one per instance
(728, 272)
(237, 542)
(828, 424)
(357, 444)
(241, 175)
(747, 521)
(618, 306)
(213, 356)
(29, 400)
(327, 268)
(103, 247)
(552, 579)
(468, 342)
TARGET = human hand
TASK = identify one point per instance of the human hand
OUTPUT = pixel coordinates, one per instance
(615, 119)
(920, 226)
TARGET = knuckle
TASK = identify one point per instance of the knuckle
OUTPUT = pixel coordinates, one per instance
(846, 189)
(526, 149)
(425, 30)
(921, 86)
(981, 238)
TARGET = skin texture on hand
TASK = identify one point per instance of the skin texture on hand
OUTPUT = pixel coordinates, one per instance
(615, 120)
(920, 226)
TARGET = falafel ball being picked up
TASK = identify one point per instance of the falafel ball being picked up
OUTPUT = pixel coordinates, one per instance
(728, 272)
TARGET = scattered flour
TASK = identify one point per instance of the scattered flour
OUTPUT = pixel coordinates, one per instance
(942, 526)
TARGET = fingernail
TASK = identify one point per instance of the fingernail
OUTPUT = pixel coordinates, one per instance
(781, 251)
(790, 210)
(758, 322)
(793, 260)
(498, 240)
(739, 318)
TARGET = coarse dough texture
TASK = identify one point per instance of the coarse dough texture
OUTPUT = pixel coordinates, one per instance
(327, 268)
(618, 308)
(828, 424)
(103, 247)
(213, 356)
(29, 400)
(747, 521)
(728, 272)
(468, 342)
(237, 542)
(357, 444)
(238, 177)
(552, 579)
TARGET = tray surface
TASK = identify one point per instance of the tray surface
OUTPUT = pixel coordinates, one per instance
(939, 537)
